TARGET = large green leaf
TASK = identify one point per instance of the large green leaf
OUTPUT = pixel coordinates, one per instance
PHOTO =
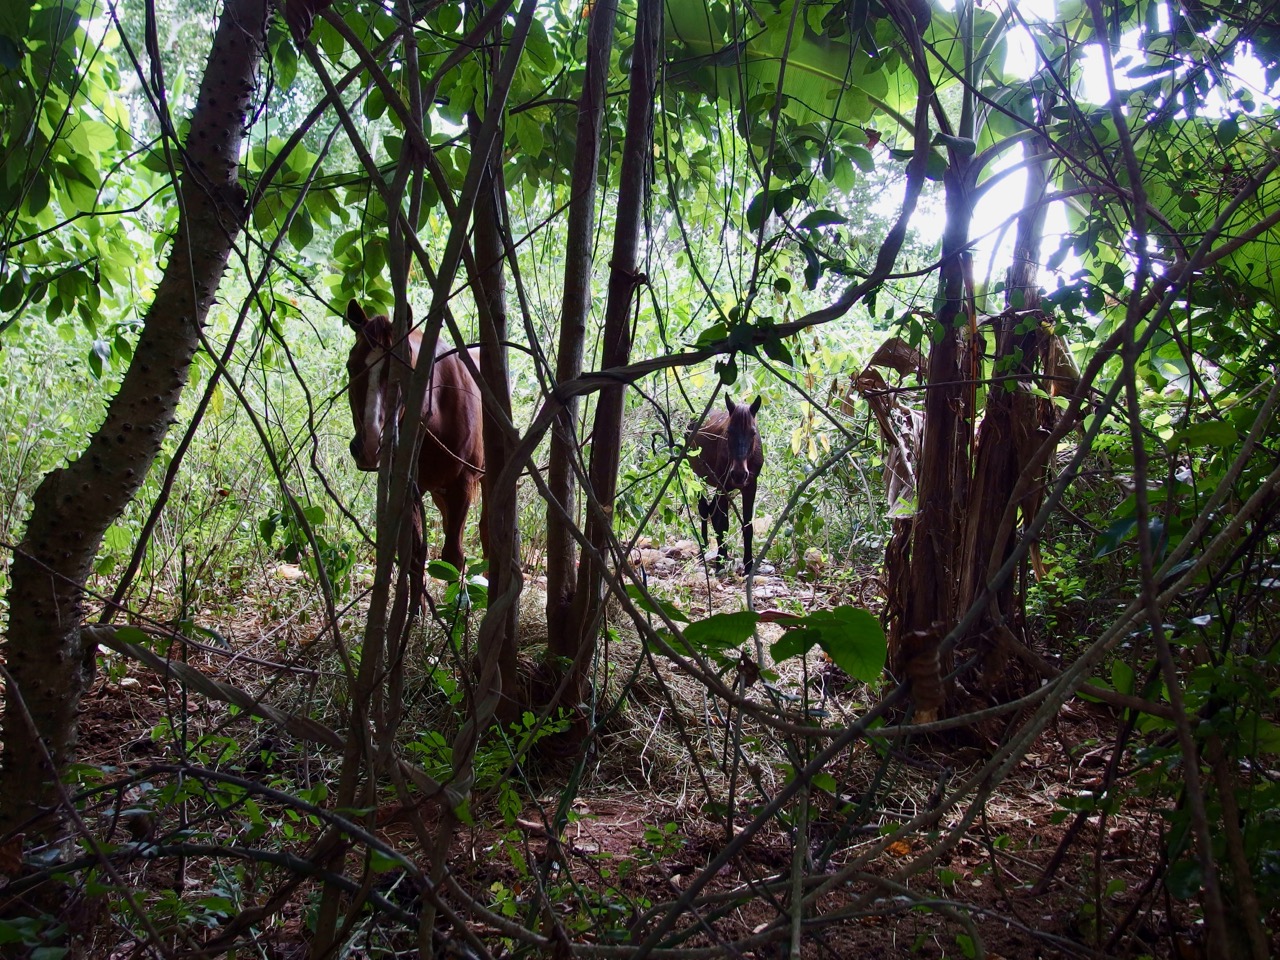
(851, 637)
(717, 637)
(823, 77)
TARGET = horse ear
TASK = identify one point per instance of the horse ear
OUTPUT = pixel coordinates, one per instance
(755, 407)
(356, 316)
(728, 402)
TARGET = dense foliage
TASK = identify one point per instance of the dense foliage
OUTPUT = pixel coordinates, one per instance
(1003, 274)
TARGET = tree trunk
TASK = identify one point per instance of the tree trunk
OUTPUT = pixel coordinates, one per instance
(1012, 428)
(931, 554)
(75, 504)
(562, 580)
(497, 639)
(624, 278)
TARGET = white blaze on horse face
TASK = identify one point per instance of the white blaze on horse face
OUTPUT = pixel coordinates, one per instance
(373, 410)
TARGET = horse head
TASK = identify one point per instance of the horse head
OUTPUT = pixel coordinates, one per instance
(368, 373)
(742, 438)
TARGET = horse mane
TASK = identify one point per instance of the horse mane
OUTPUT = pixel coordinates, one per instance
(377, 330)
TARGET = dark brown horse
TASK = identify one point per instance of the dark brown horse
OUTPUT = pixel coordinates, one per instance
(451, 460)
(727, 454)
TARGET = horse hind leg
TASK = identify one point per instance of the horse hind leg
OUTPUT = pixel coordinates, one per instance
(414, 552)
(454, 503)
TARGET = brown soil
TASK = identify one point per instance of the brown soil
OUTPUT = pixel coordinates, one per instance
(643, 827)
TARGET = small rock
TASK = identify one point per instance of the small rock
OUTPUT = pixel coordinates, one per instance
(288, 571)
(681, 550)
(645, 557)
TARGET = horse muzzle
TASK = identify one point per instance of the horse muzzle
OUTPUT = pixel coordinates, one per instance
(359, 455)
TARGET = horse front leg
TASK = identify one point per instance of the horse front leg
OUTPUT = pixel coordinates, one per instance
(704, 511)
(720, 522)
(748, 511)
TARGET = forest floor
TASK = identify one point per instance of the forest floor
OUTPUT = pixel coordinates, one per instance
(656, 804)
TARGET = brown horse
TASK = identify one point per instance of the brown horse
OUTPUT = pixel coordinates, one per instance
(451, 459)
(728, 455)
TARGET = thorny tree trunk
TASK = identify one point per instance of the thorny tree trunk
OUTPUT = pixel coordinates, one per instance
(1013, 425)
(932, 550)
(624, 279)
(75, 504)
(561, 508)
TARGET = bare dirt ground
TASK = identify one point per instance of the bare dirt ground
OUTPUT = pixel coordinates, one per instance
(657, 803)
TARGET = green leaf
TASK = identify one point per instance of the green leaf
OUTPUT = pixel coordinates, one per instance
(443, 570)
(1260, 733)
(1122, 676)
(775, 349)
(301, 230)
(713, 333)
(1210, 433)
(727, 369)
(721, 631)
(758, 209)
(10, 55)
(965, 146)
(529, 135)
(117, 539)
(935, 167)
(37, 195)
(379, 862)
(812, 268)
(655, 605)
(328, 39)
(854, 639)
(1227, 131)
(11, 293)
(821, 218)
(851, 637)
(99, 354)
(375, 104)
(863, 158)
(15, 18)
(1183, 880)
(1110, 539)
(793, 643)
(132, 635)
(824, 781)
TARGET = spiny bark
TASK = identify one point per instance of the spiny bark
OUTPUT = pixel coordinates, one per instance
(75, 504)
(562, 580)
